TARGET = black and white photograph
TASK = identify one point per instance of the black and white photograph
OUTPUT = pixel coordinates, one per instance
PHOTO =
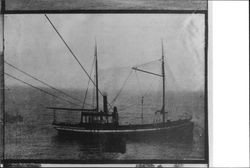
(124, 83)
(105, 87)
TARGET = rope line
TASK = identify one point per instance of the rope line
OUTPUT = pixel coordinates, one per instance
(128, 107)
(149, 62)
(138, 81)
(40, 89)
(85, 96)
(124, 83)
(72, 53)
(18, 69)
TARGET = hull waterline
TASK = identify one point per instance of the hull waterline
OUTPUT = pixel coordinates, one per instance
(124, 130)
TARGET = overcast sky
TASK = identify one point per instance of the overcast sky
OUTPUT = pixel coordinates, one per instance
(124, 40)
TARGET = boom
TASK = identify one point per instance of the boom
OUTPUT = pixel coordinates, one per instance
(137, 69)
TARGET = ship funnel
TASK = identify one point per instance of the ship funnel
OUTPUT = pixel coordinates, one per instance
(105, 103)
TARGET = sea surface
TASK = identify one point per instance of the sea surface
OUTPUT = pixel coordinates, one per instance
(30, 135)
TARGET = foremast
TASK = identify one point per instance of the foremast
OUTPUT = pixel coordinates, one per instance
(163, 85)
(96, 79)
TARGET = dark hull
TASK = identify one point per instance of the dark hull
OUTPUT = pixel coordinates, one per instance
(116, 142)
(170, 126)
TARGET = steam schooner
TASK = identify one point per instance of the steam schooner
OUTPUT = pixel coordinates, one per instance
(95, 121)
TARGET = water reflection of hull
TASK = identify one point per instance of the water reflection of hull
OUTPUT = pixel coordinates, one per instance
(93, 143)
(123, 129)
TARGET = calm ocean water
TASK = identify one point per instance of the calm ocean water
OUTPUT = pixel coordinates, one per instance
(30, 135)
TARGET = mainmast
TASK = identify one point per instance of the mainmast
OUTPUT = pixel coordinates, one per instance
(96, 79)
(163, 82)
(163, 85)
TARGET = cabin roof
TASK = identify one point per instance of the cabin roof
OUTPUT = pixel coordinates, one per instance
(86, 112)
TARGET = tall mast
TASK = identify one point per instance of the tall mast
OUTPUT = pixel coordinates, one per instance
(163, 85)
(96, 79)
(2, 85)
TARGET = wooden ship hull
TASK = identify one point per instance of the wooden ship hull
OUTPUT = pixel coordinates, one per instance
(99, 129)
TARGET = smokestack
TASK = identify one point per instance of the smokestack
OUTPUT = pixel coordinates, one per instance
(105, 103)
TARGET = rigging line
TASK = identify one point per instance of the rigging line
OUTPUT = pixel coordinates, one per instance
(137, 78)
(11, 90)
(41, 81)
(127, 107)
(148, 90)
(93, 97)
(72, 53)
(172, 75)
(148, 62)
(40, 89)
(124, 83)
(85, 96)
